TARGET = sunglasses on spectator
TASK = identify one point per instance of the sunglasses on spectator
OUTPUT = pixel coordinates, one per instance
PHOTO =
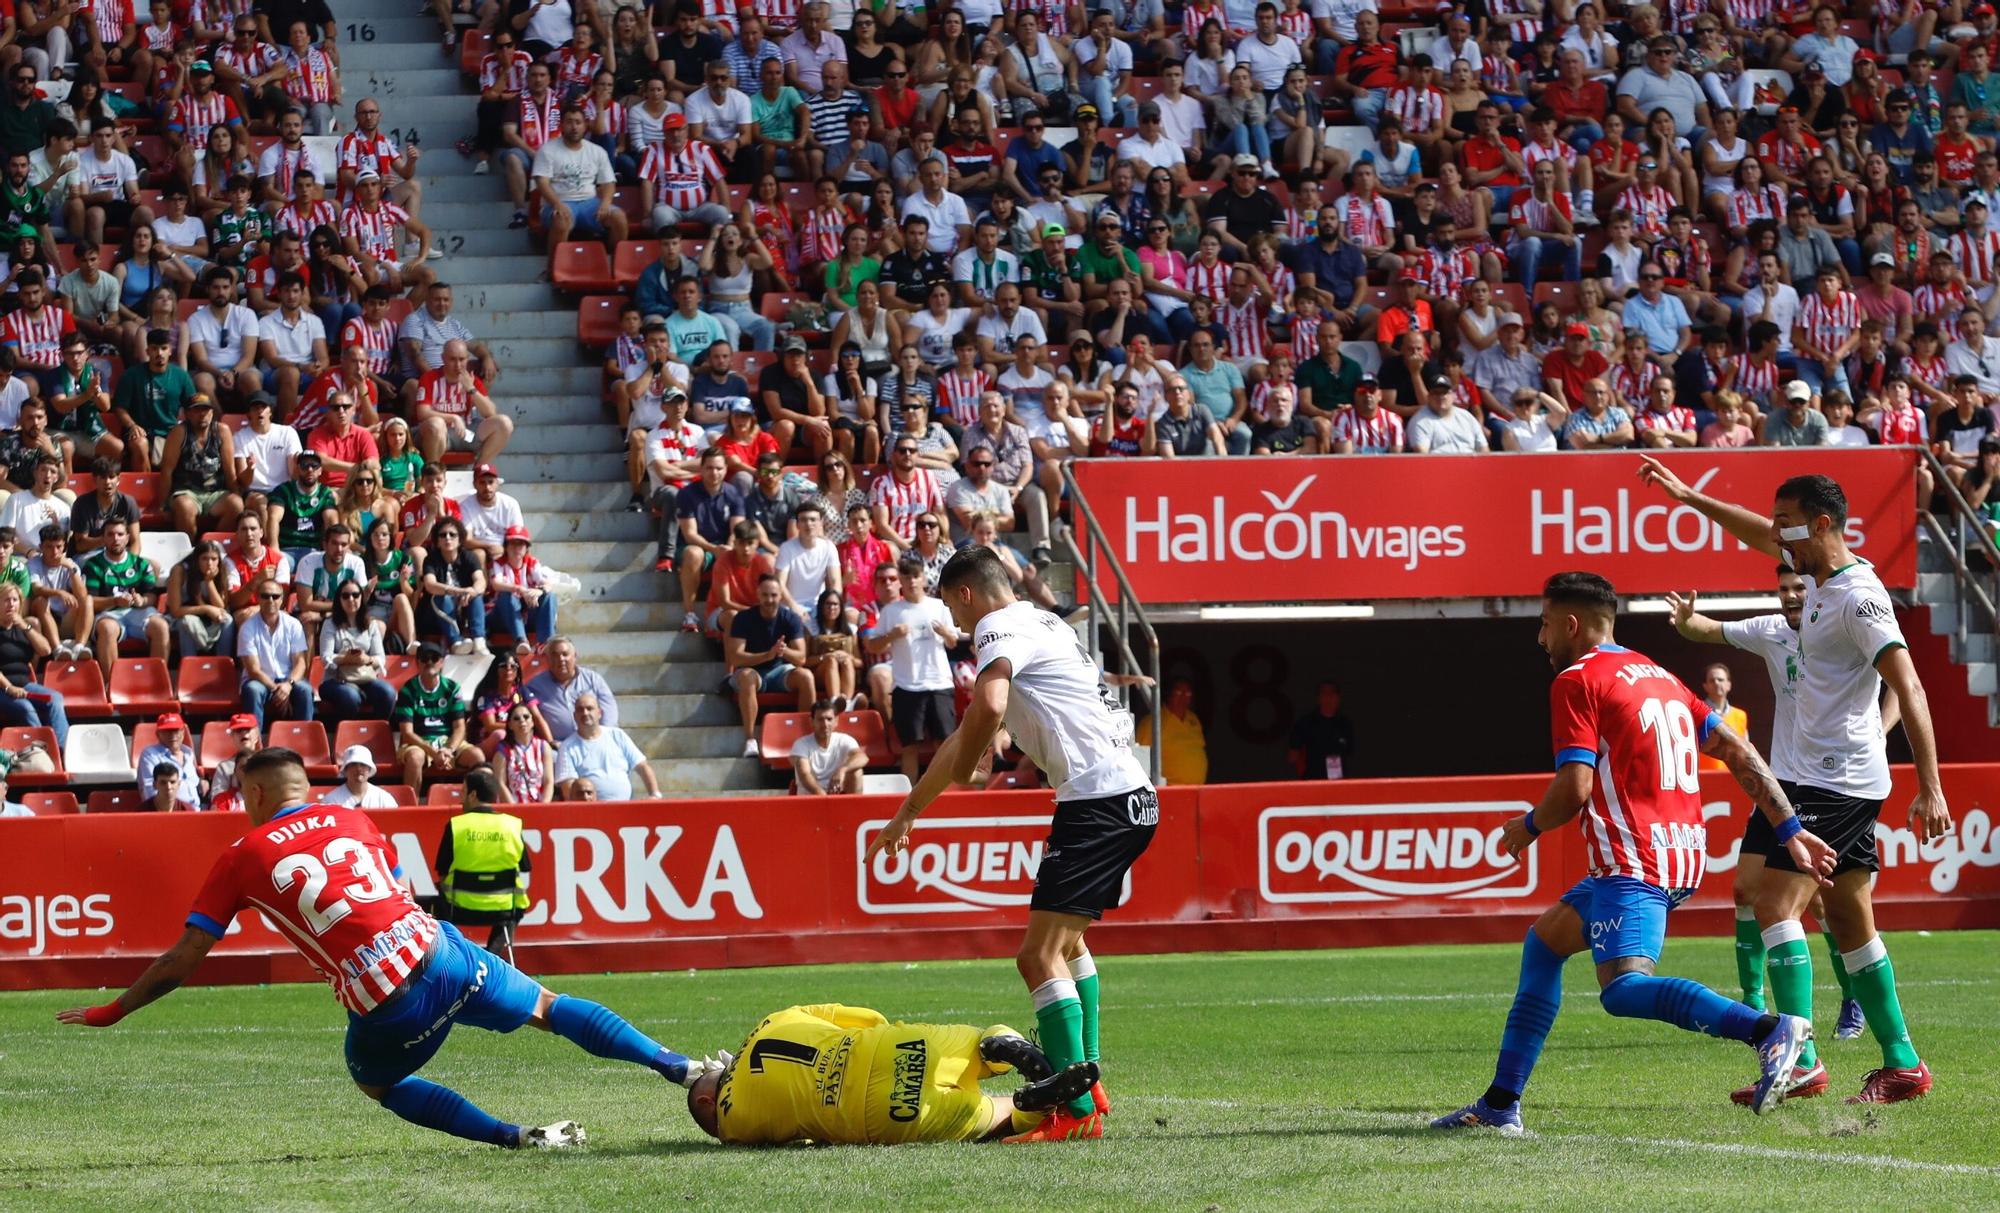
(1650, 277)
(980, 463)
(928, 524)
(270, 597)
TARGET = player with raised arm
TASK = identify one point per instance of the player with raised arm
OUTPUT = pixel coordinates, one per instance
(832, 1074)
(327, 880)
(1849, 645)
(1036, 679)
(1626, 732)
(1775, 638)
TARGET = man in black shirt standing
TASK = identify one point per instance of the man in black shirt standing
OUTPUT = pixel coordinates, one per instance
(1323, 739)
(1245, 209)
(686, 52)
(275, 18)
(909, 275)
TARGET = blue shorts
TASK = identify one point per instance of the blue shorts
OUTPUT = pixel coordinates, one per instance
(463, 984)
(583, 213)
(1623, 916)
(131, 620)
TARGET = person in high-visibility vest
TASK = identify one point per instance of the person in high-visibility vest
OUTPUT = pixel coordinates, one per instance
(482, 865)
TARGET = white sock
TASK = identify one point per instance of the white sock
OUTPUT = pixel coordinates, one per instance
(1866, 956)
(1053, 991)
(1787, 931)
(1082, 966)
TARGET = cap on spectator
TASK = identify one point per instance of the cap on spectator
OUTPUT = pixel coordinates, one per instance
(357, 755)
(264, 400)
(1973, 201)
(795, 345)
(1513, 318)
(1867, 56)
(1246, 160)
(1054, 229)
(1367, 380)
(742, 405)
(1085, 110)
(169, 720)
(1888, 259)
(242, 722)
(674, 392)
(517, 532)
(428, 652)
(486, 469)
(1438, 383)
(200, 400)
(202, 67)
(158, 337)
(1577, 330)
(1982, 10)
(1410, 275)
(367, 174)
(307, 456)
(1798, 389)
(1149, 111)
(673, 121)
(850, 347)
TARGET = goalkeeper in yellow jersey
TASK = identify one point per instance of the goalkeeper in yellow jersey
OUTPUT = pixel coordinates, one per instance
(828, 1073)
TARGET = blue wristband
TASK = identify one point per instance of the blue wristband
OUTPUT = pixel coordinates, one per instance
(1528, 824)
(1789, 828)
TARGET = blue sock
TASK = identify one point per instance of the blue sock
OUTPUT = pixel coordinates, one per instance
(434, 1107)
(602, 1032)
(1682, 1003)
(1536, 1002)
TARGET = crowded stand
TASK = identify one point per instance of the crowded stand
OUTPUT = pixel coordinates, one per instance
(863, 276)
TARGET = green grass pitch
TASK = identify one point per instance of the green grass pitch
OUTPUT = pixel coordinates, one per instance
(1295, 1080)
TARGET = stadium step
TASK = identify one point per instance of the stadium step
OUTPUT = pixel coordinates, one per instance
(607, 614)
(687, 741)
(565, 525)
(546, 439)
(674, 711)
(568, 497)
(733, 776)
(557, 410)
(605, 467)
(513, 264)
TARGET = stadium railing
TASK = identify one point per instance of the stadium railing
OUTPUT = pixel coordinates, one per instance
(1095, 553)
(1963, 539)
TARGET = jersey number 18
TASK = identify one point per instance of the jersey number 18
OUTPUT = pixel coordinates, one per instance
(1672, 727)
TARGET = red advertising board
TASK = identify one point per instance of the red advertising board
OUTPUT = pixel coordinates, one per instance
(89, 899)
(1465, 526)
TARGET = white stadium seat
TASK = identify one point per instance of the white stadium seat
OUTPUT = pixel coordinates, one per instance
(98, 753)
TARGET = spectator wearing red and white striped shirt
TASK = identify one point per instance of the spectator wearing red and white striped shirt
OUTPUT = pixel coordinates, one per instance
(906, 492)
(251, 71)
(576, 64)
(453, 411)
(1826, 332)
(1367, 221)
(369, 228)
(1543, 232)
(1788, 148)
(1662, 423)
(312, 79)
(1365, 427)
(1208, 273)
(532, 121)
(1647, 200)
(373, 332)
(1976, 251)
(198, 109)
(1573, 172)
(681, 181)
(369, 146)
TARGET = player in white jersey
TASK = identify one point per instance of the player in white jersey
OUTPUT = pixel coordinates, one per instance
(1035, 678)
(1849, 645)
(1775, 638)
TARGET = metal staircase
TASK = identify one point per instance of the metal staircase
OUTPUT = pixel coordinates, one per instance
(1957, 563)
(565, 463)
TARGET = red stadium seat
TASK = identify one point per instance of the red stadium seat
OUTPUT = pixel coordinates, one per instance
(398, 668)
(1512, 297)
(751, 363)
(144, 734)
(403, 794)
(473, 48)
(1565, 295)
(81, 684)
(209, 686)
(776, 733)
(445, 794)
(597, 320)
(17, 738)
(308, 738)
(582, 268)
(117, 800)
(50, 804)
(216, 745)
(140, 686)
(380, 738)
(631, 260)
(533, 664)
(866, 727)
(149, 490)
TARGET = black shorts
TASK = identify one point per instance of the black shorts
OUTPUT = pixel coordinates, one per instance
(1845, 823)
(921, 715)
(1092, 844)
(1757, 837)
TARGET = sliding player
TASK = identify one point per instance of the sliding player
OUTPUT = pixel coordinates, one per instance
(324, 876)
(1850, 645)
(1626, 733)
(845, 1075)
(1035, 676)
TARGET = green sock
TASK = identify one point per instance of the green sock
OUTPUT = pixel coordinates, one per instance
(1875, 986)
(1059, 1016)
(1083, 970)
(1750, 956)
(1791, 978)
(1839, 965)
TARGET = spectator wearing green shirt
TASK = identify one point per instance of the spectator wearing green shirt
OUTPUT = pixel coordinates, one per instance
(123, 585)
(1217, 386)
(782, 122)
(152, 395)
(301, 509)
(1327, 380)
(78, 399)
(430, 723)
(13, 569)
(1102, 262)
(21, 204)
(24, 116)
(1052, 283)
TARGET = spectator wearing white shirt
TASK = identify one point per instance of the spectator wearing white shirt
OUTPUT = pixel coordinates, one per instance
(826, 762)
(291, 344)
(1104, 67)
(272, 648)
(219, 342)
(1442, 428)
(574, 180)
(808, 564)
(488, 513)
(107, 181)
(719, 115)
(172, 751)
(357, 767)
(603, 755)
(950, 221)
(916, 632)
(1152, 146)
(1268, 52)
(264, 453)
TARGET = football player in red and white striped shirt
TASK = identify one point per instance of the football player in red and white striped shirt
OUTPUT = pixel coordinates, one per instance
(324, 877)
(1365, 427)
(369, 228)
